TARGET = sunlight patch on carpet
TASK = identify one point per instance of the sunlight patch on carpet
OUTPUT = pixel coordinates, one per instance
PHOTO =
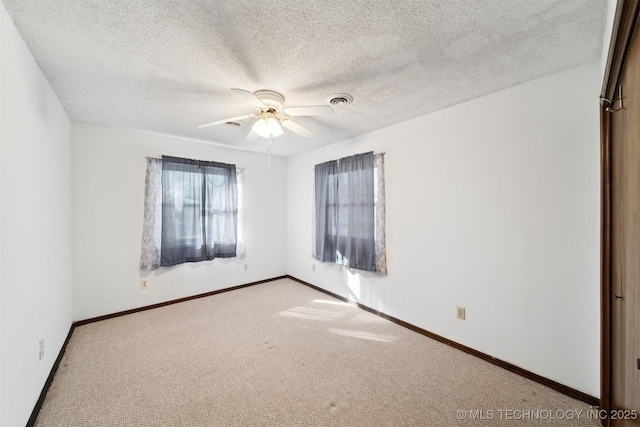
(364, 335)
(311, 314)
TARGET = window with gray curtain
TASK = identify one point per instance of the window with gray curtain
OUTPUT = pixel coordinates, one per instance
(199, 211)
(194, 230)
(349, 212)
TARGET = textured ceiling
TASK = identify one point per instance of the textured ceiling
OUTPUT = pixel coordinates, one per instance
(165, 66)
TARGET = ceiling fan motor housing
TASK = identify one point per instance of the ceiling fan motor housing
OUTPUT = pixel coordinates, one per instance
(270, 98)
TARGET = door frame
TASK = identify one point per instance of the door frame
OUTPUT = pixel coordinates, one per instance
(624, 25)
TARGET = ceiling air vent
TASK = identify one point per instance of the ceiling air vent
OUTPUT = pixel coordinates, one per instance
(340, 99)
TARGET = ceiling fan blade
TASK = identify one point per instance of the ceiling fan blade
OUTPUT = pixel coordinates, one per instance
(296, 128)
(312, 110)
(250, 97)
(219, 122)
(251, 136)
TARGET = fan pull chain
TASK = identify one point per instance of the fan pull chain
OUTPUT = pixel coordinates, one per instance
(269, 151)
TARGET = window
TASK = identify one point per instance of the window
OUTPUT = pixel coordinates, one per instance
(193, 212)
(349, 212)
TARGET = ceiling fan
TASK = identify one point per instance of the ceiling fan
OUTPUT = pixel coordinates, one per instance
(272, 115)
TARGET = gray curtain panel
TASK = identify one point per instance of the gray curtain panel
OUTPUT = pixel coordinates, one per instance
(345, 212)
(199, 211)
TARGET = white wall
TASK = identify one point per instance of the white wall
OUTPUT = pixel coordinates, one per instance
(35, 219)
(493, 205)
(108, 171)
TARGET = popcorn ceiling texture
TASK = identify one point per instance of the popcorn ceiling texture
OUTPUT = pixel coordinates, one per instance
(166, 66)
(282, 354)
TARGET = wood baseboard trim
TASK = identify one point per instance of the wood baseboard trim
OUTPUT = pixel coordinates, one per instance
(47, 384)
(175, 301)
(571, 392)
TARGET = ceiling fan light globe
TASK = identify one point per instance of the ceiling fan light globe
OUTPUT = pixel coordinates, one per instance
(274, 127)
(268, 127)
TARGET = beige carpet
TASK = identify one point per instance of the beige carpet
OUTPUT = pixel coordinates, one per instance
(282, 354)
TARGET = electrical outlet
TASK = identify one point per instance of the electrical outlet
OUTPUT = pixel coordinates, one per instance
(246, 266)
(41, 351)
(144, 284)
(313, 267)
(460, 312)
